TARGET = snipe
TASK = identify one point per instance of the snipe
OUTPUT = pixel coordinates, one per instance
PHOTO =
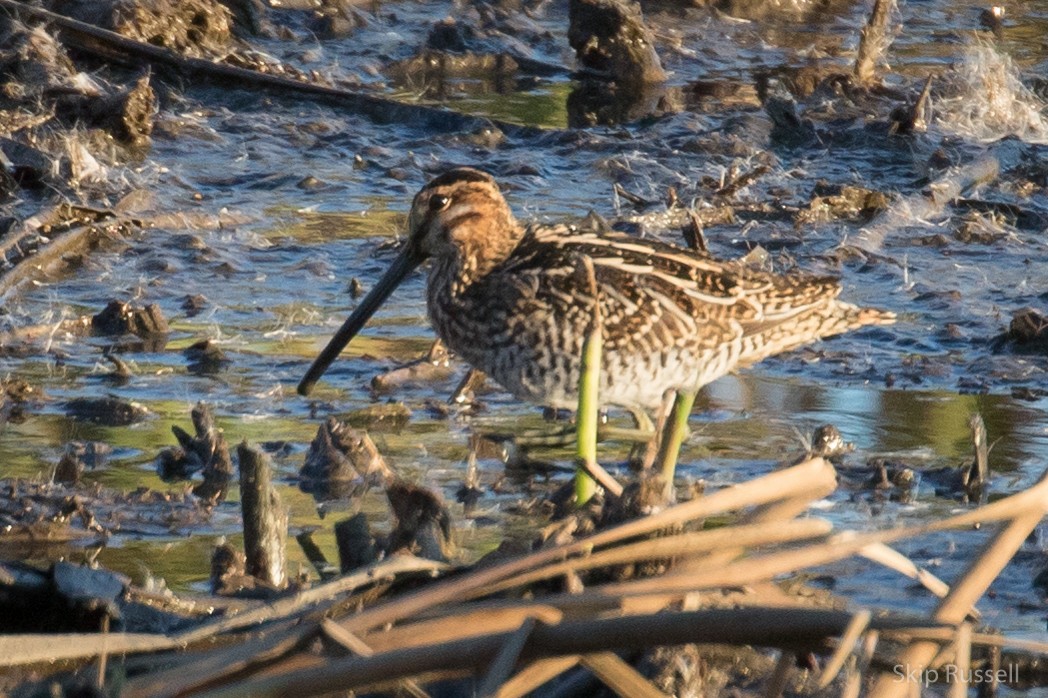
(515, 302)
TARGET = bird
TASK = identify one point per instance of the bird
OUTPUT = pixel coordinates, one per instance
(513, 301)
(518, 301)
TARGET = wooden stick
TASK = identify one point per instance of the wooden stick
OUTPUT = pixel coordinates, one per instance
(265, 518)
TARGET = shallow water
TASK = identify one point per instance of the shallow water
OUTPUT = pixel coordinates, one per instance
(277, 281)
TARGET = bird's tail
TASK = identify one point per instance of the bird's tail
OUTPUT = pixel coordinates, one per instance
(826, 320)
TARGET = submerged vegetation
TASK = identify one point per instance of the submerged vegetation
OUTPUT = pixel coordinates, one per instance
(191, 193)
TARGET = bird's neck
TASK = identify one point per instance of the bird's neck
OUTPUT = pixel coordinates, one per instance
(478, 252)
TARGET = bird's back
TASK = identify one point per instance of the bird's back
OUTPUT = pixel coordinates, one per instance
(672, 318)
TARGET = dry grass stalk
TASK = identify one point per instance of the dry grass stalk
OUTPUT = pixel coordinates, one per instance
(983, 570)
(1024, 506)
(856, 627)
(681, 546)
(462, 622)
(33, 649)
(501, 667)
(776, 486)
(620, 676)
(535, 674)
(963, 660)
(351, 643)
(322, 594)
(768, 627)
(894, 560)
(771, 513)
(214, 666)
(943, 636)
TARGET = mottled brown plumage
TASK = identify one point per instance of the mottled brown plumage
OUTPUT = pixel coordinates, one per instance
(515, 302)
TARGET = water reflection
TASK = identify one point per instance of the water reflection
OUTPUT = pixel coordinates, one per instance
(891, 421)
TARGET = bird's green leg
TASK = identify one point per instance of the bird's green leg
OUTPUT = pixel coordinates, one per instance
(672, 437)
(588, 415)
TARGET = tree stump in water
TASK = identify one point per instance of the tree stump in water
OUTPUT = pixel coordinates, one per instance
(265, 519)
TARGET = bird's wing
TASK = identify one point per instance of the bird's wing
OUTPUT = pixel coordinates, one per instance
(690, 293)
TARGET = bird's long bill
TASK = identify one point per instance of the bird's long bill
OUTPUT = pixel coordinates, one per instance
(401, 267)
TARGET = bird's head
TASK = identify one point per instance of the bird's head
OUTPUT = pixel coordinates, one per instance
(462, 221)
(461, 217)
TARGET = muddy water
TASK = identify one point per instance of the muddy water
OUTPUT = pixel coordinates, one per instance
(311, 195)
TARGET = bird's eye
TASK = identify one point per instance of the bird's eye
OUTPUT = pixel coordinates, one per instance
(439, 202)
